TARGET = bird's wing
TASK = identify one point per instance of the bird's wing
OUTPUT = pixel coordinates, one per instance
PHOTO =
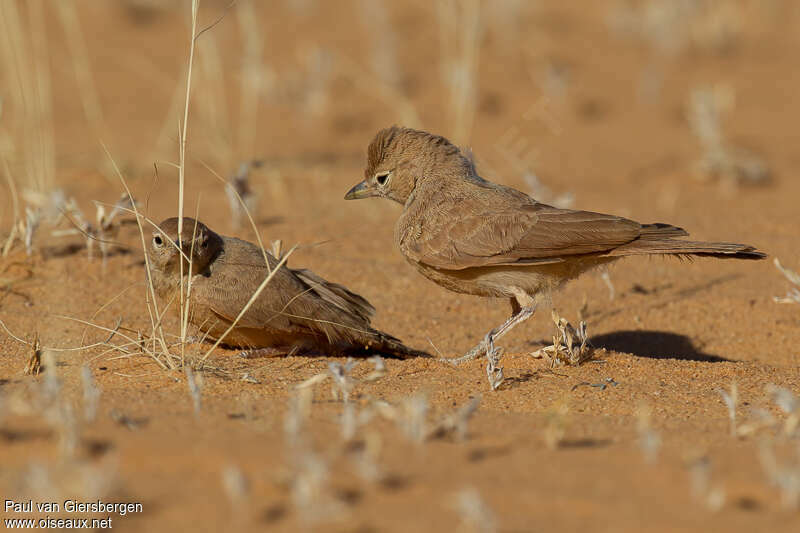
(296, 301)
(231, 291)
(500, 229)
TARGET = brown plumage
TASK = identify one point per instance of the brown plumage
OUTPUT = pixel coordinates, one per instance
(297, 311)
(477, 237)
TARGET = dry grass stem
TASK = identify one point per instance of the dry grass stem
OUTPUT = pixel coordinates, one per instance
(649, 440)
(731, 400)
(711, 496)
(556, 424)
(83, 72)
(34, 364)
(297, 413)
(195, 384)
(91, 394)
(460, 33)
(240, 194)
(789, 404)
(236, 486)
(15, 221)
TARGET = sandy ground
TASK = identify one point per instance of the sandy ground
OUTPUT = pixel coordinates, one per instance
(552, 450)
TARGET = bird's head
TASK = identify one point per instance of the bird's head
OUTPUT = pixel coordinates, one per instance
(195, 243)
(398, 159)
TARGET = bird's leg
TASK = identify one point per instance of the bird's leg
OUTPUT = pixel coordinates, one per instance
(487, 344)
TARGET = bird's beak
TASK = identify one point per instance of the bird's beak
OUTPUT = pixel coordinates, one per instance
(361, 190)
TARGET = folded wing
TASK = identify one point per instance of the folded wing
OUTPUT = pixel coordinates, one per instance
(510, 230)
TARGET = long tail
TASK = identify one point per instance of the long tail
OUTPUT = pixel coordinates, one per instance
(659, 239)
(343, 317)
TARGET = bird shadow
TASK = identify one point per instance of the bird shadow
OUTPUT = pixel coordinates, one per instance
(676, 296)
(654, 345)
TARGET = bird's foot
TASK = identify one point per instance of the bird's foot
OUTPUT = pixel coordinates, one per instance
(493, 354)
(262, 352)
(493, 371)
(475, 353)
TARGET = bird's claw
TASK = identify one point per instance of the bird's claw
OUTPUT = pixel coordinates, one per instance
(493, 371)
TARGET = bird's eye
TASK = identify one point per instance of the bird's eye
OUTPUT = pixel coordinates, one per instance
(204, 244)
(157, 240)
(382, 179)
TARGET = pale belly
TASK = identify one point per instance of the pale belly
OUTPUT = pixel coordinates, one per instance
(505, 281)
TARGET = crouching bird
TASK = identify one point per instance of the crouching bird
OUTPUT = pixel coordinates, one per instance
(476, 237)
(296, 312)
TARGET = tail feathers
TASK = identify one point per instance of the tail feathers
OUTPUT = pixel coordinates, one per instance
(661, 231)
(722, 250)
(345, 322)
(384, 344)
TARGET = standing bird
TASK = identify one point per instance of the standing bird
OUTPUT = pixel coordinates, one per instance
(296, 312)
(476, 237)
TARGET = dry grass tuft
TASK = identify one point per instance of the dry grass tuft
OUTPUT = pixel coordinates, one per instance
(473, 513)
(342, 381)
(672, 26)
(703, 491)
(570, 346)
(793, 295)
(456, 424)
(311, 493)
(785, 475)
(308, 475)
(721, 160)
(236, 486)
(649, 440)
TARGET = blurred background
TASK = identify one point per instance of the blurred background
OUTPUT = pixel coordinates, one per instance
(545, 92)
